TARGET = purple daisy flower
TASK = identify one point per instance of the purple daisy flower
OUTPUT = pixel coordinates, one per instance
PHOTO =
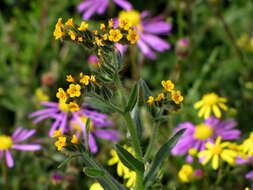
(148, 30)
(9, 143)
(90, 7)
(98, 123)
(195, 137)
(56, 111)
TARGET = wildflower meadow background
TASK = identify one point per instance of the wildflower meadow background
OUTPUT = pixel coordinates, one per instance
(126, 94)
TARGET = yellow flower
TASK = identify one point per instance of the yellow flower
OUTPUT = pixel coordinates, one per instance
(210, 103)
(74, 90)
(61, 142)
(203, 132)
(41, 95)
(61, 95)
(247, 188)
(168, 85)
(74, 139)
(58, 29)
(69, 78)
(105, 36)
(192, 151)
(80, 39)
(73, 107)
(99, 42)
(131, 178)
(83, 26)
(95, 32)
(70, 22)
(247, 145)
(96, 186)
(58, 33)
(216, 152)
(85, 79)
(124, 24)
(176, 96)
(133, 17)
(160, 97)
(110, 23)
(151, 100)
(132, 36)
(72, 35)
(102, 27)
(6, 142)
(186, 173)
(115, 35)
(58, 133)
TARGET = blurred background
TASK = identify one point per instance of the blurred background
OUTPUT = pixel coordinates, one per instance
(33, 65)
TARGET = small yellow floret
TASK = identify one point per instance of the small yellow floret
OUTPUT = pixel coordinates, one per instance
(74, 139)
(115, 35)
(186, 173)
(72, 35)
(132, 36)
(61, 142)
(80, 39)
(70, 22)
(110, 23)
(168, 85)
(99, 42)
(124, 24)
(85, 79)
(73, 107)
(176, 96)
(69, 78)
(61, 95)
(151, 100)
(160, 97)
(74, 90)
(83, 26)
(58, 133)
(102, 27)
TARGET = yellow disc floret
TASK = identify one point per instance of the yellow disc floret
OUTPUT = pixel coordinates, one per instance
(5, 142)
(132, 36)
(203, 132)
(115, 35)
(74, 90)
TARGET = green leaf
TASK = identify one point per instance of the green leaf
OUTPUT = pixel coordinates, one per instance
(160, 157)
(93, 172)
(100, 104)
(145, 89)
(128, 160)
(137, 120)
(133, 98)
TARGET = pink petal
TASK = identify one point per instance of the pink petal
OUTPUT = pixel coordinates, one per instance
(26, 147)
(9, 159)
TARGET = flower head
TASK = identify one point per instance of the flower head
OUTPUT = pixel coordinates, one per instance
(115, 35)
(176, 96)
(74, 90)
(61, 142)
(195, 137)
(9, 143)
(186, 173)
(61, 95)
(211, 103)
(83, 26)
(168, 85)
(216, 152)
(151, 100)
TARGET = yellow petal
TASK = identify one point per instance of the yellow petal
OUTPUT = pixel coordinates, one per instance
(223, 106)
(215, 162)
(207, 112)
(223, 100)
(198, 104)
(202, 111)
(216, 111)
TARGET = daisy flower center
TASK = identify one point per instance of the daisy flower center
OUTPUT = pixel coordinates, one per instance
(217, 149)
(203, 132)
(5, 142)
(133, 17)
(210, 99)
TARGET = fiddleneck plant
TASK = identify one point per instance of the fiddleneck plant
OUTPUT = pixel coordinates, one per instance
(104, 90)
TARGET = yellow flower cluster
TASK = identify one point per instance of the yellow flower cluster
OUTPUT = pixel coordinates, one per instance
(122, 170)
(123, 34)
(168, 86)
(209, 103)
(186, 173)
(62, 140)
(73, 91)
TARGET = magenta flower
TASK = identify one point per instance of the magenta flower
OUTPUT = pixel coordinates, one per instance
(9, 143)
(148, 30)
(195, 137)
(90, 7)
(98, 123)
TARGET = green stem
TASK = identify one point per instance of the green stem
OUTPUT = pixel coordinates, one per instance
(5, 176)
(133, 133)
